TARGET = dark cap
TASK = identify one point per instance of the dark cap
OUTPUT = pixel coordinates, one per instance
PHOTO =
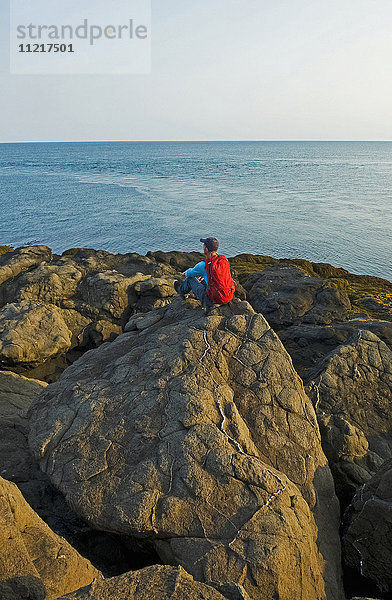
(211, 243)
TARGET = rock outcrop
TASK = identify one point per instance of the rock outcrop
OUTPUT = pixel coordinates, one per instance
(16, 462)
(49, 283)
(22, 259)
(16, 396)
(180, 261)
(97, 293)
(4, 249)
(352, 392)
(375, 305)
(286, 296)
(31, 334)
(194, 434)
(191, 436)
(51, 305)
(310, 344)
(152, 583)
(18, 465)
(367, 534)
(34, 562)
(315, 307)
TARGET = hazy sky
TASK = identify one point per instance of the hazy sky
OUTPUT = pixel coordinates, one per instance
(223, 69)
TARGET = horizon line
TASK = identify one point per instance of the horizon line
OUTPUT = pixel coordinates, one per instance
(190, 141)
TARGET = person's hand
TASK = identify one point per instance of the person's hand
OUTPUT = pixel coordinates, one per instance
(184, 274)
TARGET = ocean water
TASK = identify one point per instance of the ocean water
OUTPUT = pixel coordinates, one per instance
(323, 201)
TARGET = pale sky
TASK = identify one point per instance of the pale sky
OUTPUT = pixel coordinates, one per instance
(221, 70)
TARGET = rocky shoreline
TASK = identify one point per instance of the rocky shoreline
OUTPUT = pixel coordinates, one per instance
(149, 450)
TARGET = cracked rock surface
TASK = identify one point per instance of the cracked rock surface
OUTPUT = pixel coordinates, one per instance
(352, 392)
(367, 533)
(35, 563)
(157, 583)
(194, 435)
(17, 464)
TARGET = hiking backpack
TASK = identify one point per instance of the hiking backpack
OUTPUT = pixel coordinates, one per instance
(220, 283)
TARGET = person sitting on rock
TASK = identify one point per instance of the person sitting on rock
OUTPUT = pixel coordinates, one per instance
(210, 279)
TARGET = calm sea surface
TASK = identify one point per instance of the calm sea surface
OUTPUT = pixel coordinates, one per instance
(323, 201)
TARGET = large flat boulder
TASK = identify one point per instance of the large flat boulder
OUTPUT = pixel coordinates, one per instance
(194, 434)
(153, 583)
(352, 392)
(286, 296)
(30, 334)
(367, 533)
(34, 561)
(109, 292)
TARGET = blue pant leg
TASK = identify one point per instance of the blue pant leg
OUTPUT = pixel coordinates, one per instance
(184, 287)
(197, 287)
